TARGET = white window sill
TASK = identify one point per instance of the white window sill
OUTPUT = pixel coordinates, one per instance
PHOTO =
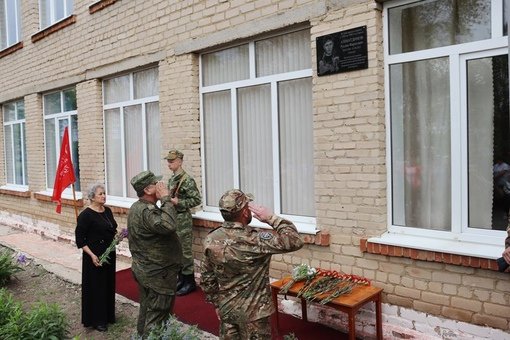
(14, 187)
(67, 194)
(440, 245)
(120, 202)
(303, 228)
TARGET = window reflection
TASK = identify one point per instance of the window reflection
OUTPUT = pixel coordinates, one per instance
(489, 142)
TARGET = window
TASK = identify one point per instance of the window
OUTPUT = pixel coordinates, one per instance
(10, 23)
(14, 143)
(52, 11)
(132, 129)
(256, 107)
(447, 63)
(59, 113)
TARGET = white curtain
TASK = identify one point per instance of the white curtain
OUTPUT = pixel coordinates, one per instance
(218, 151)
(133, 144)
(51, 154)
(256, 143)
(9, 154)
(481, 146)
(296, 147)
(146, 83)
(116, 90)
(421, 162)
(225, 66)
(284, 53)
(113, 145)
(153, 137)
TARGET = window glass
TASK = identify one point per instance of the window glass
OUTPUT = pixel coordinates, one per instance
(429, 24)
(449, 118)
(269, 160)
(10, 23)
(284, 53)
(116, 90)
(132, 130)
(235, 60)
(420, 138)
(218, 141)
(59, 113)
(488, 129)
(52, 11)
(15, 147)
(506, 14)
(146, 83)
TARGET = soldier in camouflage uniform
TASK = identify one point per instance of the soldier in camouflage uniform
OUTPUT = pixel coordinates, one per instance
(184, 196)
(235, 269)
(155, 250)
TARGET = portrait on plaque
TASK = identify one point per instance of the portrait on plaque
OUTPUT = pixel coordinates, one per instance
(342, 51)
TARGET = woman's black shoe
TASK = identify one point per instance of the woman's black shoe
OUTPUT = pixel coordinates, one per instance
(101, 328)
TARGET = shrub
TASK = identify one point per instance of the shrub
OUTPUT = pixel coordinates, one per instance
(45, 321)
(7, 268)
(173, 330)
(8, 307)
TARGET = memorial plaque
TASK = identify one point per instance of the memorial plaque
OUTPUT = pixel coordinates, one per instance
(343, 51)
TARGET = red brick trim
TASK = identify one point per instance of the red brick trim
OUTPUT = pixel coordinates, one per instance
(322, 238)
(119, 210)
(11, 49)
(24, 194)
(426, 255)
(53, 28)
(96, 7)
(65, 201)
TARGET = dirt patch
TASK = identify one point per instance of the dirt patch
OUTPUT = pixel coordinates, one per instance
(35, 284)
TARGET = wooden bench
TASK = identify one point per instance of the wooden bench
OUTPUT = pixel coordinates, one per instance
(347, 303)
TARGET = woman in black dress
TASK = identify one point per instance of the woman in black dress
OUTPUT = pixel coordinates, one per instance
(95, 231)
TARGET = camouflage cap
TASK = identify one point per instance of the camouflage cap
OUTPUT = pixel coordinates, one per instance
(234, 200)
(173, 154)
(144, 179)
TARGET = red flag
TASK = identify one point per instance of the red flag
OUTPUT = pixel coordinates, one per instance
(65, 172)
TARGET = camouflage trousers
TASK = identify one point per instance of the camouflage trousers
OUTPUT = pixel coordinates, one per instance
(185, 233)
(155, 308)
(256, 330)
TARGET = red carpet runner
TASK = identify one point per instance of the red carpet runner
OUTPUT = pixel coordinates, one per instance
(192, 309)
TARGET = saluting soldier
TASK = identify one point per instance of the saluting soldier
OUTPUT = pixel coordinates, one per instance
(155, 250)
(235, 269)
(184, 196)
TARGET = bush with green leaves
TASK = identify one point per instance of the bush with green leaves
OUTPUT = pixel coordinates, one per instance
(8, 307)
(173, 330)
(8, 267)
(42, 321)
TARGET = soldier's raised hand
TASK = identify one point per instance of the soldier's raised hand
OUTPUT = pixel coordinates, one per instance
(161, 190)
(260, 212)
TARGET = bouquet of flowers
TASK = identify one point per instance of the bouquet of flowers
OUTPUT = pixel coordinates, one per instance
(299, 273)
(116, 240)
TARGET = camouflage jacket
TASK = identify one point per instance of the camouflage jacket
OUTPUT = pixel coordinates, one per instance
(153, 243)
(186, 191)
(235, 269)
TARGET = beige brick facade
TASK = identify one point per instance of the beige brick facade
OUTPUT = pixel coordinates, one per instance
(349, 130)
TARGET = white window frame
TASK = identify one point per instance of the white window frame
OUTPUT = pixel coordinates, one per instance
(10, 124)
(17, 25)
(124, 201)
(304, 224)
(62, 115)
(461, 239)
(53, 10)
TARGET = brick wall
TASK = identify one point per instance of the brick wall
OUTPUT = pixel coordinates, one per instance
(348, 121)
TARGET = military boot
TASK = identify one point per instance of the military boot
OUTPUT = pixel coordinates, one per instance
(180, 281)
(188, 286)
